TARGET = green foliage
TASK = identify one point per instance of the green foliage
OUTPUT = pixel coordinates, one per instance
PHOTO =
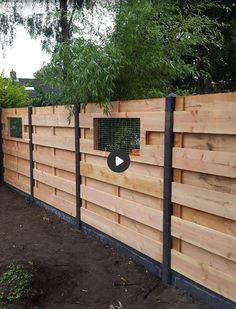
(12, 94)
(159, 42)
(222, 62)
(14, 283)
(81, 72)
(153, 50)
(156, 47)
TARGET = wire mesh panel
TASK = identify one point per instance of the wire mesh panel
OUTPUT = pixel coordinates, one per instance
(117, 134)
(15, 125)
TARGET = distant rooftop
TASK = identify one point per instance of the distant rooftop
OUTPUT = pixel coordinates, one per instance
(27, 83)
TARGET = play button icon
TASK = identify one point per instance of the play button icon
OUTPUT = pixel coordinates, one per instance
(118, 161)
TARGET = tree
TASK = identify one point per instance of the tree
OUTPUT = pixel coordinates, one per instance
(222, 62)
(216, 64)
(152, 50)
(160, 42)
(90, 76)
(52, 21)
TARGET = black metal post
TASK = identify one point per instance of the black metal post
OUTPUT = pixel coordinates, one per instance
(31, 149)
(168, 176)
(1, 151)
(77, 164)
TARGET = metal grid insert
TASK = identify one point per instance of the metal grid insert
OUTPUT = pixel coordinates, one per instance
(15, 125)
(117, 134)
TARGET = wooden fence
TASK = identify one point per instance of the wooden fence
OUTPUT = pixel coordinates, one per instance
(129, 206)
(204, 191)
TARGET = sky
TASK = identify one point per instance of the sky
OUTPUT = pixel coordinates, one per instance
(25, 56)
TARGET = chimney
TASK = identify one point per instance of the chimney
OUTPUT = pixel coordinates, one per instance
(13, 75)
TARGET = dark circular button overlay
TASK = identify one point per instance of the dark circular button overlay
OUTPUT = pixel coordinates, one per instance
(118, 161)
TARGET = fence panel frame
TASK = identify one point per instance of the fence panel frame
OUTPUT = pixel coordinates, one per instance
(154, 121)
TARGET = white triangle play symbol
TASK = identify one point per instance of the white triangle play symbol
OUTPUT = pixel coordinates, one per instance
(119, 161)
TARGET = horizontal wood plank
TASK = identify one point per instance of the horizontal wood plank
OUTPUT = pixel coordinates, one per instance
(133, 239)
(16, 152)
(152, 121)
(213, 121)
(130, 209)
(211, 240)
(61, 142)
(15, 111)
(204, 161)
(59, 203)
(149, 154)
(204, 274)
(214, 202)
(24, 139)
(55, 181)
(11, 163)
(144, 105)
(14, 180)
(54, 120)
(213, 101)
(144, 184)
(55, 161)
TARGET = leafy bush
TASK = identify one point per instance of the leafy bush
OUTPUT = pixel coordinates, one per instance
(12, 94)
(14, 283)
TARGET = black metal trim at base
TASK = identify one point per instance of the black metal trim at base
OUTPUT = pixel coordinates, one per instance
(197, 291)
(150, 264)
(200, 292)
(46, 206)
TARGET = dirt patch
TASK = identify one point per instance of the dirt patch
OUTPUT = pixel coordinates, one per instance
(74, 270)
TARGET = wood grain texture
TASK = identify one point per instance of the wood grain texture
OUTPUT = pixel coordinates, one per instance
(209, 162)
(53, 120)
(17, 165)
(60, 142)
(207, 121)
(127, 236)
(55, 161)
(217, 203)
(57, 202)
(55, 181)
(217, 101)
(149, 185)
(204, 237)
(151, 121)
(127, 208)
(149, 154)
(204, 274)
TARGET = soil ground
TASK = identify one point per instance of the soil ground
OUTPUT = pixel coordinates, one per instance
(74, 270)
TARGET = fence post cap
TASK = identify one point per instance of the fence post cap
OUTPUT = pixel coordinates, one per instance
(171, 95)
